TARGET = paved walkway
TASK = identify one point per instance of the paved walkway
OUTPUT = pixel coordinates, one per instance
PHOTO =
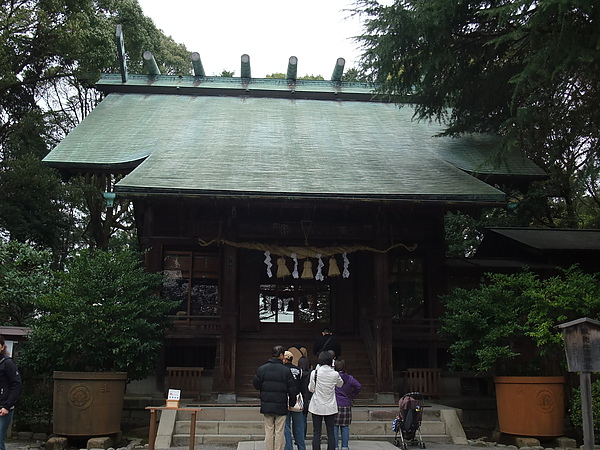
(16, 444)
(32, 444)
(354, 445)
(359, 445)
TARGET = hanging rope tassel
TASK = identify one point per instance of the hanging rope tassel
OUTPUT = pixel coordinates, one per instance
(282, 270)
(307, 271)
(334, 270)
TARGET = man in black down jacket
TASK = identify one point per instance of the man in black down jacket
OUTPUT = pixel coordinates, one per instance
(10, 390)
(277, 392)
(326, 342)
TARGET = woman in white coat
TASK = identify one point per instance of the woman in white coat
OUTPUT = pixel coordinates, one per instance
(323, 405)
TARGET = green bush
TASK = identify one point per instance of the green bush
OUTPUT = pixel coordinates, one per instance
(507, 325)
(34, 410)
(575, 411)
(104, 316)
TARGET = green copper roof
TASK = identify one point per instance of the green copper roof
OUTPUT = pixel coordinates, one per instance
(277, 147)
(269, 87)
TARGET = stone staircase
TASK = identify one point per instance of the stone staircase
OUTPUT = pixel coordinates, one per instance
(252, 353)
(233, 424)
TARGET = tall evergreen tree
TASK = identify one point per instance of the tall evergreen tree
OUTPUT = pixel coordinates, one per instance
(525, 69)
(51, 55)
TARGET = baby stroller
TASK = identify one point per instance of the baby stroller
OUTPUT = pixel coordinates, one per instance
(407, 423)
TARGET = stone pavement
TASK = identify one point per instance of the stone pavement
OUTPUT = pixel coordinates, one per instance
(354, 445)
(32, 444)
(20, 444)
(380, 445)
(362, 445)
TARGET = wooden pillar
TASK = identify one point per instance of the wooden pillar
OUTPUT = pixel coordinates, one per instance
(383, 326)
(435, 277)
(228, 319)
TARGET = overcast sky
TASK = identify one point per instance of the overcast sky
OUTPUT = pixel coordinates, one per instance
(317, 32)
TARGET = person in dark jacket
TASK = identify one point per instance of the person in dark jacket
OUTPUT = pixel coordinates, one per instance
(10, 390)
(327, 342)
(295, 419)
(278, 392)
(304, 366)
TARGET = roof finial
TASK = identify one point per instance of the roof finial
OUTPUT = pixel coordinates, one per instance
(151, 63)
(121, 52)
(292, 70)
(338, 71)
(246, 66)
(197, 64)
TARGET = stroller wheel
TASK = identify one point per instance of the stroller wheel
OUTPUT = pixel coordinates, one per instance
(422, 445)
(396, 443)
(404, 446)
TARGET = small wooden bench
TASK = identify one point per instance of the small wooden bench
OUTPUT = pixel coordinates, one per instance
(428, 382)
(187, 379)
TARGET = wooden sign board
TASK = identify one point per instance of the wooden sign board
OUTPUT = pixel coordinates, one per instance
(582, 344)
(173, 398)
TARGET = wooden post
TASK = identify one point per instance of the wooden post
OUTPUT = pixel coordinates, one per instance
(383, 326)
(152, 437)
(586, 410)
(229, 319)
(193, 430)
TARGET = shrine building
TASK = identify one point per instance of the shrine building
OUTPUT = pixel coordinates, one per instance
(280, 206)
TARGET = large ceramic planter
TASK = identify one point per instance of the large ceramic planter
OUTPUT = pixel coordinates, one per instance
(88, 403)
(531, 406)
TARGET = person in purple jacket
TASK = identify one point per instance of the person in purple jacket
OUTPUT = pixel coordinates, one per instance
(344, 396)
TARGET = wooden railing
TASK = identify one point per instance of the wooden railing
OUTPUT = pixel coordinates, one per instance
(197, 325)
(428, 382)
(187, 379)
(416, 328)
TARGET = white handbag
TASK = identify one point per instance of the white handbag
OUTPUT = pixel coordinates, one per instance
(299, 406)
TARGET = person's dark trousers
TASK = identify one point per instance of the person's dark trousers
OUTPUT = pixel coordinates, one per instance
(318, 428)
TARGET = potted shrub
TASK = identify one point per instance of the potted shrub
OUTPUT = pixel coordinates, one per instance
(506, 327)
(102, 326)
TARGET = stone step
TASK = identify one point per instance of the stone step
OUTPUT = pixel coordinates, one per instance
(358, 428)
(249, 356)
(252, 413)
(366, 394)
(183, 440)
(227, 425)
